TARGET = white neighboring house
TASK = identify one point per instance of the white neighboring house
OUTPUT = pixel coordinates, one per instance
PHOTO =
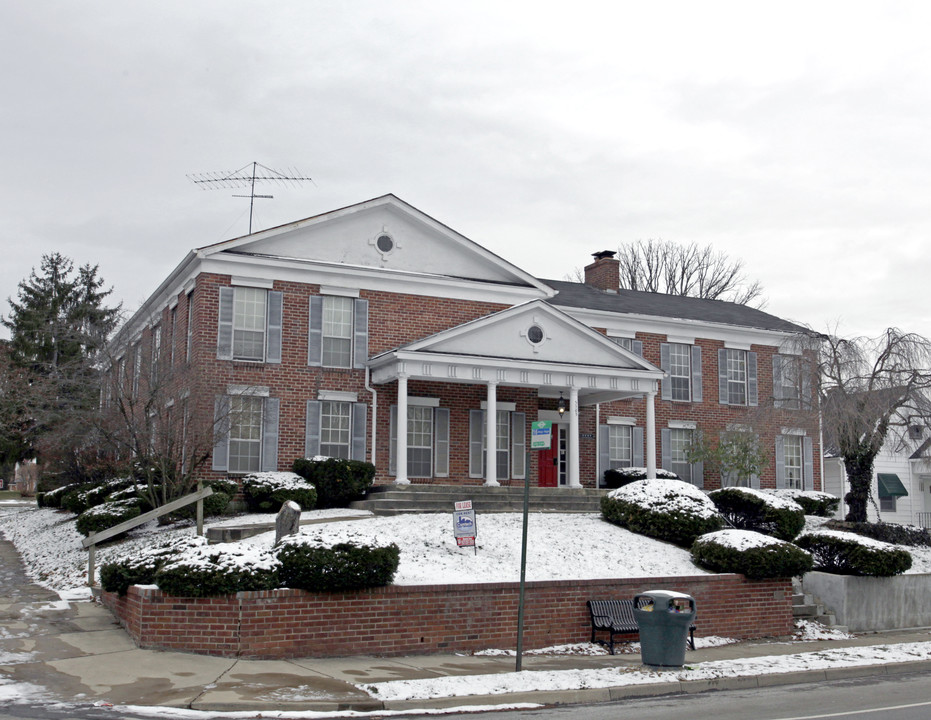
(901, 485)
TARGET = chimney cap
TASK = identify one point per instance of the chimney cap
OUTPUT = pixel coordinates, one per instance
(602, 254)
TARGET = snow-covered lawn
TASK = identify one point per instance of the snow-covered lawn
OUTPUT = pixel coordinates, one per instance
(560, 546)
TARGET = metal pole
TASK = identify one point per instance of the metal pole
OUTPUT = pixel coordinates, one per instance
(91, 559)
(523, 571)
(200, 511)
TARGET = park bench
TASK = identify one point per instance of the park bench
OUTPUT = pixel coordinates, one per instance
(616, 617)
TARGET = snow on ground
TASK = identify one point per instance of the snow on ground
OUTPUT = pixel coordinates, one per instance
(560, 546)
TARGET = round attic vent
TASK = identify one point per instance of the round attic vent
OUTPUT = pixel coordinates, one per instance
(384, 243)
(535, 334)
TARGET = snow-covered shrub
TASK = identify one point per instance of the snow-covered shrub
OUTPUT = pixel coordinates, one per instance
(813, 502)
(332, 569)
(75, 500)
(140, 569)
(670, 510)
(750, 553)
(338, 482)
(751, 509)
(268, 491)
(844, 553)
(106, 515)
(220, 569)
(52, 498)
(619, 477)
(885, 532)
(99, 494)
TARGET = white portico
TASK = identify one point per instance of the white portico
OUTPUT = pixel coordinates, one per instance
(533, 346)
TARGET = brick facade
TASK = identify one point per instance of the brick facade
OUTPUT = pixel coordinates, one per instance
(399, 620)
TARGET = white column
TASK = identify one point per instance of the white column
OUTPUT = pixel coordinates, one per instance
(491, 431)
(651, 435)
(574, 438)
(400, 450)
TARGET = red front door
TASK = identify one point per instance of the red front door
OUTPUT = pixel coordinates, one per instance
(548, 461)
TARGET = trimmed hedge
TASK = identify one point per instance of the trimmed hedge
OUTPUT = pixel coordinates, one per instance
(221, 569)
(885, 532)
(339, 568)
(751, 554)
(53, 498)
(106, 515)
(141, 569)
(670, 510)
(216, 504)
(268, 491)
(749, 509)
(813, 502)
(338, 482)
(848, 554)
(619, 477)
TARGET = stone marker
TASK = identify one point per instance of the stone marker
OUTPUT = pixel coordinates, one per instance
(288, 521)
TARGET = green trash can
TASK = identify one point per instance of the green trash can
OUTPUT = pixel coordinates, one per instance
(664, 619)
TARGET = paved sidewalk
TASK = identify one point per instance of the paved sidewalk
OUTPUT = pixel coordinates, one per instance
(77, 653)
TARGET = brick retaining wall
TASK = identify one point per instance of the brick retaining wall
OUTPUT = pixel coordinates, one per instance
(422, 619)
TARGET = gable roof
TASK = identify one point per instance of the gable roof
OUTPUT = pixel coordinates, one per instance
(636, 302)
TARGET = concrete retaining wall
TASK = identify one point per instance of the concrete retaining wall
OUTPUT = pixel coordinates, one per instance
(872, 603)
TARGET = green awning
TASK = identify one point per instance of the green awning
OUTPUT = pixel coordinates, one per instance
(890, 485)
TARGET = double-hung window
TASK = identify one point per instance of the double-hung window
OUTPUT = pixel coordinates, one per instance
(427, 437)
(246, 431)
(338, 331)
(737, 377)
(794, 461)
(620, 445)
(156, 353)
(791, 382)
(250, 321)
(676, 443)
(510, 443)
(682, 365)
(635, 346)
(336, 426)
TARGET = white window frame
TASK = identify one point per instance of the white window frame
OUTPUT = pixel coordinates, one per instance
(419, 453)
(337, 331)
(243, 322)
(676, 392)
(620, 439)
(336, 429)
(256, 408)
(679, 440)
(737, 365)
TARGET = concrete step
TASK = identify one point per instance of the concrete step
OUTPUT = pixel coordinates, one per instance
(802, 599)
(807, 611)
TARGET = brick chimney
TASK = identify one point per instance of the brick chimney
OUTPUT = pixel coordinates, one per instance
(605, 272)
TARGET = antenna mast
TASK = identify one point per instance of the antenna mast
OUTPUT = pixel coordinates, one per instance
(242, 178)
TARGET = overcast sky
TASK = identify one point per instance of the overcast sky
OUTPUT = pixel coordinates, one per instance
(792, 135)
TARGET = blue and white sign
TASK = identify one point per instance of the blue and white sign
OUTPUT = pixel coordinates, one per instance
(464, 524)
(541, 435)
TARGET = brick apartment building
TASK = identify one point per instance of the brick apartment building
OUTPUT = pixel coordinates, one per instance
(315, 337)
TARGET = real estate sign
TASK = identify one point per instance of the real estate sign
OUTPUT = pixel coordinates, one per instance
(541, 434)
(464, 526)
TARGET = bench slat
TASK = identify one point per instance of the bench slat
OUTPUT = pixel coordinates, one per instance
(617, 618)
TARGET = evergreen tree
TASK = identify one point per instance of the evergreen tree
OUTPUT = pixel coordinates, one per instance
(58, 323)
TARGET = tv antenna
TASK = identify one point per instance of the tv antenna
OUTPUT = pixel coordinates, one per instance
(243, 178)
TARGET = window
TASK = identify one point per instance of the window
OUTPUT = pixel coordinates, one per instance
(245, 437)
(420, 442)
(794, 462)
(887, 504)
(427, 439)
(635, 346)
(336, 427)
(156, 351)
(335, 436)
(792, 453)
(675, 442)
(791, 382)
(338, 331)
(737, 377)
(190, 326)
(246, 431)
(620, 446)
(510, 444)
(174, 335)
(682, 365)
(249, 324)
(679, 442)
(137, 369)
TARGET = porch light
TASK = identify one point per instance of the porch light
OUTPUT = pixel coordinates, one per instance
(561, 405)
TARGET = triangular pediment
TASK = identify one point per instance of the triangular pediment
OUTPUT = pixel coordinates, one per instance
(384, 233)
(532, 332)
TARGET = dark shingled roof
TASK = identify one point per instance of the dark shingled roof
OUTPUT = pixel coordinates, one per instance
(580, 295)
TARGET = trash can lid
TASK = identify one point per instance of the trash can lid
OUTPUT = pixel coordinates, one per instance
(665, 594)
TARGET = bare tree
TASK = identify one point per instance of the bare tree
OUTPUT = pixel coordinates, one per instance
(661, 266)
(869, 387)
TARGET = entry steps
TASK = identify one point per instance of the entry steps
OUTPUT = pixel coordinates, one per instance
(398, 499)
(808, 607)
